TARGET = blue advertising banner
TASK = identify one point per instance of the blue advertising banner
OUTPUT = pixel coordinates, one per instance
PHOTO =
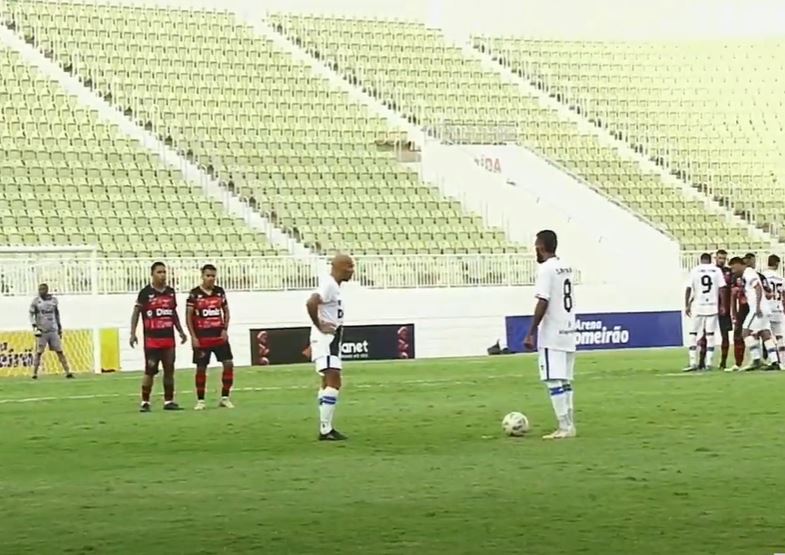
(614, 330)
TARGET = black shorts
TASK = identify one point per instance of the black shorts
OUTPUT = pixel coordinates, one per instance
(152, 358)
(223, 353)
(726, 324)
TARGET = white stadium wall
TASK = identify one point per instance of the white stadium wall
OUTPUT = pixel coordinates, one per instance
(448, 322)
(522, 193)
(574, 19)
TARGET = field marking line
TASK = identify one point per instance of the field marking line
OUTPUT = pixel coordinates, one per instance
(381, 385)
(424, 383)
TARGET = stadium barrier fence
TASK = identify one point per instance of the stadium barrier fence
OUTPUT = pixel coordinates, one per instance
(73, 276)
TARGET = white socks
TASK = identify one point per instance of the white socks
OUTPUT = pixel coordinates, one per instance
(693, 349)
(567, 386)
(709, 349)
(753, 346)
(328, 398)
(772, 351)
(560, 399)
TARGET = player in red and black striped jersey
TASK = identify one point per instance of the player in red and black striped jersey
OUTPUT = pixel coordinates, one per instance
(207, 317)
(157, 305)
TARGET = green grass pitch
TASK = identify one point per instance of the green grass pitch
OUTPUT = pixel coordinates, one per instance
(664, 463)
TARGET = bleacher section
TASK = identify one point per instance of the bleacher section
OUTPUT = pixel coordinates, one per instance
(67, 178)
(316, 164)
(433, 83)
(709, 111)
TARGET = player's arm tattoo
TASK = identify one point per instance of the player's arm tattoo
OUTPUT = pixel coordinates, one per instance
(539, 313)
(135, 318)
(313, 308)
(189, 319)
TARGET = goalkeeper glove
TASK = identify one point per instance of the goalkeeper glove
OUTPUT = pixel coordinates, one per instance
(37, 331)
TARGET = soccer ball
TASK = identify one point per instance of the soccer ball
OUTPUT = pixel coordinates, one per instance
(515, 424)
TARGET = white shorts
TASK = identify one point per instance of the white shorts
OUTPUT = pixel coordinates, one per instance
(326, 351)
(755, 323)
(777, 326)
(704, 324)
(556, 365)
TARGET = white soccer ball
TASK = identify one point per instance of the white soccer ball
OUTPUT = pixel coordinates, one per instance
(515, 424)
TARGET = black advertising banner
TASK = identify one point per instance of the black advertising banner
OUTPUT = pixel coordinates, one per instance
(291, 345)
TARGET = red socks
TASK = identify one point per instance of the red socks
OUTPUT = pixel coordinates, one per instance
(227, 380)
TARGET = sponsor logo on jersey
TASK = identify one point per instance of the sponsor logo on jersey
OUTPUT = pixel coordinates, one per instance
(163, 312)
(210, 312)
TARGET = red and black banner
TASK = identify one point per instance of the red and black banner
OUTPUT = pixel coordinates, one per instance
(291, 345)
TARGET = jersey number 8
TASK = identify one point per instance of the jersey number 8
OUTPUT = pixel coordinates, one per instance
(567, 291)
(707, 283)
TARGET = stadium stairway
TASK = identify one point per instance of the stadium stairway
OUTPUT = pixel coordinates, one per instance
(192, 174)
(429, 80)
(313, 158)
(493, 61)
(522, 210)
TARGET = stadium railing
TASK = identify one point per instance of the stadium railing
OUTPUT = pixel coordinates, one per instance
(21, 275)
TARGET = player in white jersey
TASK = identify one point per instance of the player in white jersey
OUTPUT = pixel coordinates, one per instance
(776, 312)
(702, 304)
(325, 309)
(554, 324)
(756, 326)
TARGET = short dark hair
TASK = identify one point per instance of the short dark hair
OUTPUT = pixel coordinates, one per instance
(156, 265)
(705, 258)
(773, 259)
(43, 285)
(749, 255)
(548, 240)
(722, 252)
(207, 267)
(736, 260)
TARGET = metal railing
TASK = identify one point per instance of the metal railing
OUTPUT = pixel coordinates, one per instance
(21, 274)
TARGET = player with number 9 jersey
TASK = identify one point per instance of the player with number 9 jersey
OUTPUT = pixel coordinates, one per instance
(702, 305)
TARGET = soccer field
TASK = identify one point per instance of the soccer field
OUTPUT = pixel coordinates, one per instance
(664, 463)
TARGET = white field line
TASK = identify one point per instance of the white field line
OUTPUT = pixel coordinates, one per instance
(421, 383)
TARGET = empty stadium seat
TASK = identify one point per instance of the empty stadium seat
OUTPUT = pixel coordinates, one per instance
(315, 163)
(415, 70)
(68, 178)
(710, 111)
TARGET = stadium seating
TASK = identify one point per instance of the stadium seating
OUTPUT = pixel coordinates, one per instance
(710, 111)
(414, 69)
(67, 178)
(316, 164)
